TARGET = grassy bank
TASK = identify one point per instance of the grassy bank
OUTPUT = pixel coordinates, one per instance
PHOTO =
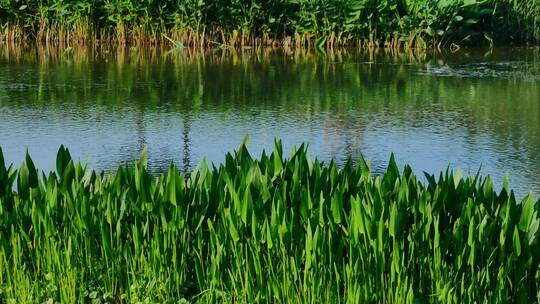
(274, 229)
(199, 23)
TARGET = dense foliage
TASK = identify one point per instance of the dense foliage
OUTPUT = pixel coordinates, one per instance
(393, 23)
(269, 230)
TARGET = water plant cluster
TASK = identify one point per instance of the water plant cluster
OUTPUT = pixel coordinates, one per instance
(274, 229)
(198, 23)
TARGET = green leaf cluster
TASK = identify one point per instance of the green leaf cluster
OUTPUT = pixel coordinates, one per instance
(276, 229)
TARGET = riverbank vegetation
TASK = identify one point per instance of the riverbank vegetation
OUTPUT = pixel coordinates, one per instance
(275, 229)
(301, 23)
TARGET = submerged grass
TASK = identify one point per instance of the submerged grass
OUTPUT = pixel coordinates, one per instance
(222, 23)
(274, 229)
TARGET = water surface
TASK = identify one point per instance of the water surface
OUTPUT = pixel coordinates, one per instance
(433, 110)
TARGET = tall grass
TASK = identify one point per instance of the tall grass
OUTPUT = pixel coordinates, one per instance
(200, 23)
(274, 229)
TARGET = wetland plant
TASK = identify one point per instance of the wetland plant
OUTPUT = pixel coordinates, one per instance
(206, 23)
(277, 229)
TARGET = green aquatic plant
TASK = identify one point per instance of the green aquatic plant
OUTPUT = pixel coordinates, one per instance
(199, 23)
(274, 229)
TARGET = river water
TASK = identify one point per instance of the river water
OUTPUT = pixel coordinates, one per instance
(470, 109)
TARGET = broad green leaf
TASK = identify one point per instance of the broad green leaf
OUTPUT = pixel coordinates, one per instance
(336, 206)
(527, 210)
(517, 243)
(23, 186)
(32, 172)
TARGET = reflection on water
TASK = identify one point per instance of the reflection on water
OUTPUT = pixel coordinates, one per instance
(466, 110)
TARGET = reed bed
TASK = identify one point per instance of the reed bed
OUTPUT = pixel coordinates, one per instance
(274, 229)
(297, 23)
